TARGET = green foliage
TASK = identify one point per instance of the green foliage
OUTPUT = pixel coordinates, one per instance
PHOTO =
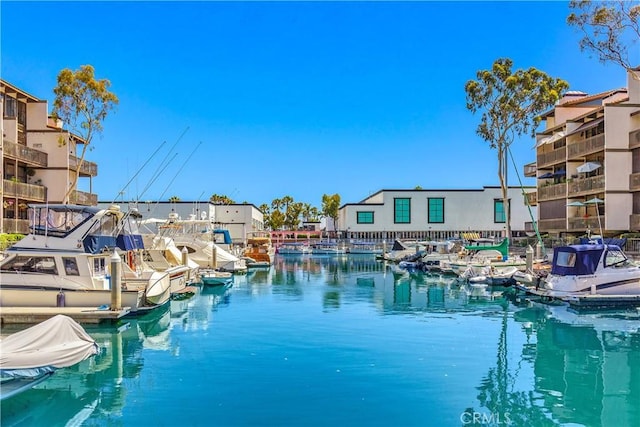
(82, 102)
(511, 104)
(218, 199)
(8, 239)
(330, 207)
(174, 199)
(608, 29)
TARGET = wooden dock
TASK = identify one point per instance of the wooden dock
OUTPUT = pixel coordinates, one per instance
(32, 315)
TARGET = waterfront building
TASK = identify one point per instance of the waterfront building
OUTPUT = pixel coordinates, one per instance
(434, 214)
(588, 163)
(39, 159)
(240, 219)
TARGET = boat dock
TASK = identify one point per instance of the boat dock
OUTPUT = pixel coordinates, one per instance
(604, 301)
(31, 315)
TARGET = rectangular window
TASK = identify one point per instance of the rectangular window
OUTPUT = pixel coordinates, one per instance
(402, 211)
(436, 210)
(498, 211)
(365, 217)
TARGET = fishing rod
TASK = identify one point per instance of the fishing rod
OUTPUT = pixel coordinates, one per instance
(163, 165)
(178, 172)
(138, 172)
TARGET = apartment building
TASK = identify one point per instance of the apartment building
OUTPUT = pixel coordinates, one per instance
(39, 159)
(435, 214)
(588, 163)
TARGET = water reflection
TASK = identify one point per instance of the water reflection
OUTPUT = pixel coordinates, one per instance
(546, 365)
(97, 387)
(585, 370)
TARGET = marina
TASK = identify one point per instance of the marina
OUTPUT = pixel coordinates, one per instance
(348, 340)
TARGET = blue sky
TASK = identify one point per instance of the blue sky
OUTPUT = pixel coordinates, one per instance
(268, 99)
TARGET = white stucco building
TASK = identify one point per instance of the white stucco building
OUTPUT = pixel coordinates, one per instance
(240, 219)
(434, 214)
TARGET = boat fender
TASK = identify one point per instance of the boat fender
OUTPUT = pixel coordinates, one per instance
(60, 299)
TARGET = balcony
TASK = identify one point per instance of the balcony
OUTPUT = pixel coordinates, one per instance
(25, 154)
(22, 190)
(10, 225)
(634, 139)
(82, 198)
(531, 198)
(582, 187)
(634, 182)
(582, 223)
(552, 192)
(530, 170)
(86, 169)
(634, 222)
(559, 155)
(556, 224)
(585, 147)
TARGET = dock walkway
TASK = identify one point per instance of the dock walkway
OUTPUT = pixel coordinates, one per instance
(32, 315)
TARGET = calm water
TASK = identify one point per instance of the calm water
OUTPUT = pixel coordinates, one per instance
(320, 341)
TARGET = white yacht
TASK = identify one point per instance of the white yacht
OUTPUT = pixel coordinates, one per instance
(588, 269)
(66, 260)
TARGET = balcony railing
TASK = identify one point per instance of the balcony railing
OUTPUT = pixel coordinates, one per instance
(634, 222)
(559, 155)
(530, 170)
(87, 168)
(634, 139)
(82, 198)
(585, 147)
(582, 223)
(10, 225)
(556, 224)
(581, 187)
(22, 190)
(25, 154)
(553, 191)
(531, 198)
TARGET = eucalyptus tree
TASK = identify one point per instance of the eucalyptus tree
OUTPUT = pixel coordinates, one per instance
(609, 29)
(330, 208)
(82, 103)
(511, 104)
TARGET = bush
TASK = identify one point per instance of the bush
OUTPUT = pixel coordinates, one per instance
(7, 240)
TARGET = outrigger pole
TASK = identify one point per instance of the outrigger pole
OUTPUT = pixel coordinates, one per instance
(535, 223)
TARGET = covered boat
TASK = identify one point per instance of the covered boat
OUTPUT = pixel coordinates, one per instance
(588, 270)
(31, 356)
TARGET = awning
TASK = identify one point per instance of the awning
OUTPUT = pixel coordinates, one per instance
(550, 139)
(546, 175)
(561, 172)
(587, 126)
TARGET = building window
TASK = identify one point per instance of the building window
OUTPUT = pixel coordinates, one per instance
(364, 217)
(499, 215)
(10, 107)
(402, 211)
(436, 210)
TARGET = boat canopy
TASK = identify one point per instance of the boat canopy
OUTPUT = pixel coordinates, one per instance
(225, 233)
(503, 247)
(576, 260)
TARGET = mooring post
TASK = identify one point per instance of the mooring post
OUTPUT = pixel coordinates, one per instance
(116, 290)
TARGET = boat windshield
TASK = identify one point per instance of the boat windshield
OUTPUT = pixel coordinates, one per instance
(615, 257)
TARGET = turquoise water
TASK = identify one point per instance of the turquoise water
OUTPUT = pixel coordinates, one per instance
(321, 341)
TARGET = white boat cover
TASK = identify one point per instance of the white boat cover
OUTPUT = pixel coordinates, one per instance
(58, 342)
